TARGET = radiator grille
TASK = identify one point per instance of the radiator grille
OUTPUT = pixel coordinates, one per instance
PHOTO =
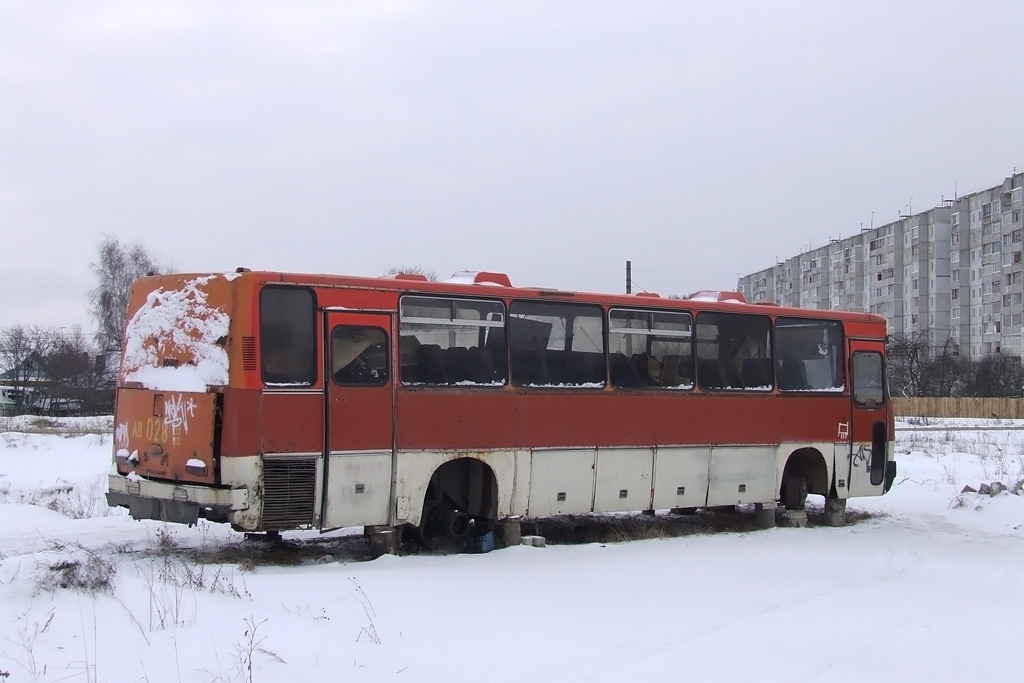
(248, 353)
(289, 490)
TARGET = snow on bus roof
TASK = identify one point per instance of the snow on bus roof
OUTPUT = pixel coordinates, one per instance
(177, 323)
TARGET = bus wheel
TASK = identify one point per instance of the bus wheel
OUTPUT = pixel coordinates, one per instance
(794, 492)
(445, 521)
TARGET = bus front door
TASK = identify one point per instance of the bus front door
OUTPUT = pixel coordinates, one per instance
(869, 440)
(358, 425)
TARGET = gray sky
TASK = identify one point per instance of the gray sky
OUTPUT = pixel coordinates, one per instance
(551, 141)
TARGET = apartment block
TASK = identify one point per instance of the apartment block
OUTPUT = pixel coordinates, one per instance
(954, 272)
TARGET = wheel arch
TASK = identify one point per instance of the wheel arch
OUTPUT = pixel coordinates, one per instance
(469, 484)
(809, 463)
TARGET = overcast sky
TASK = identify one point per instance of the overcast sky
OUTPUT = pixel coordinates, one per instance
(551, 141)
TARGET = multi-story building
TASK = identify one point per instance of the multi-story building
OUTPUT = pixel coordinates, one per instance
(953, 272)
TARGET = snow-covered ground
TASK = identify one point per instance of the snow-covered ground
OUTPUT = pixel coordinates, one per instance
(930, 587)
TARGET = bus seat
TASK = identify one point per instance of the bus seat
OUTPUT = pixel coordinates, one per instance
(530, 367)
(792, 375)
(675, 371)
(456, 364)
(479, 367)
(582, 368)
(624, 372)
(731, 374)
(755, 374)
(710, 374)
(430, 358)
(642, 364)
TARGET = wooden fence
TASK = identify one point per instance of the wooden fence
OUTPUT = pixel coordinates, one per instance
(1005, 408)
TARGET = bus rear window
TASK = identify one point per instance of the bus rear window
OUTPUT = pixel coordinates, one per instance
(288, 336)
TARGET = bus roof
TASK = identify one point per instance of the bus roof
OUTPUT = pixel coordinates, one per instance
(463, 284)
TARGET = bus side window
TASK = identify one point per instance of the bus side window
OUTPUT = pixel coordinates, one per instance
(447, 341)
(556, 345)
(809, 355)
(734, 352)
(288, 335)
(650, 349)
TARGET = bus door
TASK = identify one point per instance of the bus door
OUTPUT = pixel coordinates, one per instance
(868, 417)
(358, 424)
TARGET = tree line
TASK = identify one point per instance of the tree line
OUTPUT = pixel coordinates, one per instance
(917, 367)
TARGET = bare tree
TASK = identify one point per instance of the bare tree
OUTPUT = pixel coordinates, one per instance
(119, 265)
(945, 373)
(23, 352)
(412, 270)
(997, 375)
(907, 357)
(78, 374)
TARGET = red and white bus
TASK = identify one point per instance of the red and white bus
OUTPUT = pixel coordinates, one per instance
(278, 401)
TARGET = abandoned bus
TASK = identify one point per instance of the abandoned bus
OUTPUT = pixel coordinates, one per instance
(276, 401)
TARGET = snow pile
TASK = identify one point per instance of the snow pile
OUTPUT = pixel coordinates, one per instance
(179, 324)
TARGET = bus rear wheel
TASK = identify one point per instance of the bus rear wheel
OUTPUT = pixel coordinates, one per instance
(442, 520)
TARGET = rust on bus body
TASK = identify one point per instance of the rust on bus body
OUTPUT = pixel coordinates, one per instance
(167, 435)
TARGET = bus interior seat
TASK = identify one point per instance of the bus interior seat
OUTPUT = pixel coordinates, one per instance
(733, 380)
(792, 375)
(642, 365)
(430, 359)
(624, 371)
(456, 364)
(711, 375)
(756, 373)
(530, 367)
(674, 371)
(479, 367)
(584, 368)
(494, 347)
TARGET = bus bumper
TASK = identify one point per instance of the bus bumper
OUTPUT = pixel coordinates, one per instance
(181, 503)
